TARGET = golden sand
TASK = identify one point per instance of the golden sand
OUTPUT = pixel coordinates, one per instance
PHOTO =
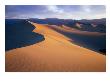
(56, 53)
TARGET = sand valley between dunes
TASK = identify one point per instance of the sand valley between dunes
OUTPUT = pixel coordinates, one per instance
(56, 53)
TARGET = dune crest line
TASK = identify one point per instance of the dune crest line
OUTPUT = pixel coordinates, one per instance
(51, 55)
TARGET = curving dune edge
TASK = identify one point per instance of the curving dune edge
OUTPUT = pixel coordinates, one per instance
(55, 54)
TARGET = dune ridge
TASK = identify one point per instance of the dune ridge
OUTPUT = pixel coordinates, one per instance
(75, 31)
(56, 53)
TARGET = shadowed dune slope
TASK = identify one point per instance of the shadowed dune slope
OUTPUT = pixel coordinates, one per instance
(93, 40)
(18, 33)
(56, 53)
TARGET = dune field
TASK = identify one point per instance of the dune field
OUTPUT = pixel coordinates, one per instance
(54, 54)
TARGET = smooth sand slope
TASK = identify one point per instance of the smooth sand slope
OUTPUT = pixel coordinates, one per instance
(55, 53)
(64, 28)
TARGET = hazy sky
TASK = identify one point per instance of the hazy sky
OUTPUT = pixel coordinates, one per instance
(55, 11)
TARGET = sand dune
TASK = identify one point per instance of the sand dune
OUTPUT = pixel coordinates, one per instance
(55, 53)
(75, 31)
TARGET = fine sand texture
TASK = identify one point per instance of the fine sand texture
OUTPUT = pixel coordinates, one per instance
(55, 54)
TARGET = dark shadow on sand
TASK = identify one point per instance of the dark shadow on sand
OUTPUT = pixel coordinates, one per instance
(95, 43)
(18, 33)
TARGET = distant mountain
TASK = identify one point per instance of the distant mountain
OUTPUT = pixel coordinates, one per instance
(52, 21)
(93, 25)
(94, 21)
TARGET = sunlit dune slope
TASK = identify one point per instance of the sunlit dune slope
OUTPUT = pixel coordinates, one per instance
(55, 53)
(75, 31)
